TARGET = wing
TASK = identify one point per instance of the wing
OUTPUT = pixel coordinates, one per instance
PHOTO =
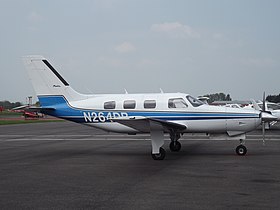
(144, 124)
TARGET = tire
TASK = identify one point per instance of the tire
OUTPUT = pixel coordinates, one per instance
(241, 150)
(160, 155)
(175, 146)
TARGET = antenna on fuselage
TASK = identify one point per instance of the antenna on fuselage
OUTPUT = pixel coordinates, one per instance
(125, 91)
(161, 91)
(89, 90)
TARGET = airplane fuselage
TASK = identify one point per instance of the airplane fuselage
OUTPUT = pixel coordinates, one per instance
(103, 111)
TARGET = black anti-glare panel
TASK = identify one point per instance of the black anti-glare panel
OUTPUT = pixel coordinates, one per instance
(56, 73)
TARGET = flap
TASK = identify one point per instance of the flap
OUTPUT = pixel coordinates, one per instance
(143, 124)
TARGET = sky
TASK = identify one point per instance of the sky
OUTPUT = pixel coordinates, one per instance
(107, 46)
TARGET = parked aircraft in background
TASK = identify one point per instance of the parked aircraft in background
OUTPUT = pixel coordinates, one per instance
(28, 111)
(173, 113)
(269, 106)
(272, 108)
(233, 106)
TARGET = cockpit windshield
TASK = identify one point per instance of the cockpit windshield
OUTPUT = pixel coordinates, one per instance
(195, 102)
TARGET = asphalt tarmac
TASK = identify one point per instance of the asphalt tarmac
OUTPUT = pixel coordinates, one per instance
(68, 166)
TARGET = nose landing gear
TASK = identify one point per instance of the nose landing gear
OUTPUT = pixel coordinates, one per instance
(241, 149)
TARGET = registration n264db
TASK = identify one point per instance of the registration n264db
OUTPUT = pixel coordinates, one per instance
(102, 116)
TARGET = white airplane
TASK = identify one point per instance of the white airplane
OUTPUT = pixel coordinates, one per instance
(237, 106)
(273, 108)
(173, 113)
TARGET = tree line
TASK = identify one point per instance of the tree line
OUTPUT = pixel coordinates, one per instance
(9, 105)
(218, 97)
(273, 98)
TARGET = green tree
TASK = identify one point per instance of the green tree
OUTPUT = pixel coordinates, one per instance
(218, 97)
(9, 105)
(273, 98)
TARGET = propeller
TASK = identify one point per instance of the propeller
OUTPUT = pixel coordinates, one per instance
(265, 116)
(263, 122)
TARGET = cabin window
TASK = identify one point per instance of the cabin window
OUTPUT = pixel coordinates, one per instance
(150, 104)
(129, 104)
(110, 105)
(177, 103)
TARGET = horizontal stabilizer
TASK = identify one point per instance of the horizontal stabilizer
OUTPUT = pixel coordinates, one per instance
(33, 108)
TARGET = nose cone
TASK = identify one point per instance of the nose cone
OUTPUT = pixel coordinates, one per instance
(268, 117)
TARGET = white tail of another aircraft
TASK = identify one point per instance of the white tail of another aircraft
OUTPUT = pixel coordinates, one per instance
(47, 81)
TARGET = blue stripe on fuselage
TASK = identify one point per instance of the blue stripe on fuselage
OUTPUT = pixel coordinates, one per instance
(63, 109)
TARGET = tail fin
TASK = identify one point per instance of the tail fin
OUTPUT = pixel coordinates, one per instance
(47, 81)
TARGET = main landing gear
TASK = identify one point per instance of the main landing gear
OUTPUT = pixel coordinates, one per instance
(160, 155)
(157, 137)
(241, 149)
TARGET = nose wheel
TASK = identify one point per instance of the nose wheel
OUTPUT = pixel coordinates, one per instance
(241, 150)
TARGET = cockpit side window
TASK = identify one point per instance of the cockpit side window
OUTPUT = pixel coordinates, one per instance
(195, 102)
(177, 103)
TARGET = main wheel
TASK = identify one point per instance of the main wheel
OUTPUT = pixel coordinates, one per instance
(160, 155)
(241, 150)
(175, 146)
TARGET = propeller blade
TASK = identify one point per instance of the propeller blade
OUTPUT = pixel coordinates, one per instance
(263, 108)
(263, 132)
(266, 117)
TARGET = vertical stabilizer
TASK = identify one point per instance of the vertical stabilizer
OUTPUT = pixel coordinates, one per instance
(47, 81)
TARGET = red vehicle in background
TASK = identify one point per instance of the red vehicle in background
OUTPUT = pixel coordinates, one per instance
(28, 112)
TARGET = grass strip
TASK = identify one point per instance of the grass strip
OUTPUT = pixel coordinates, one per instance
(14, 122)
